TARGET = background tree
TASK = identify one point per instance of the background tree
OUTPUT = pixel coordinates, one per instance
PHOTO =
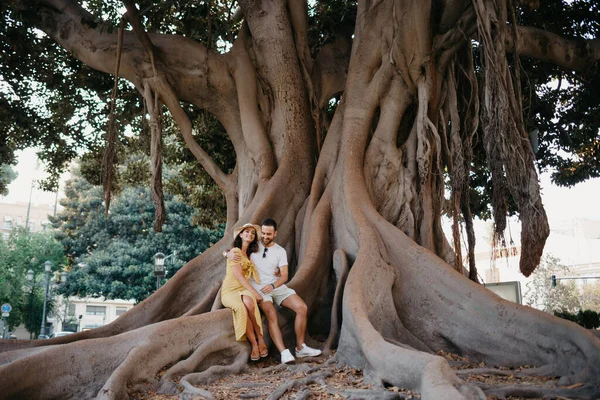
(590, 296)
(21, 251)
(540, 293)
(426, 93)
(587, 318)
(113, 256)
(7, 175)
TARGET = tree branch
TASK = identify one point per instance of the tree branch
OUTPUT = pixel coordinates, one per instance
(183, 122)
(133, 17)
(76, 30)
(576, 54)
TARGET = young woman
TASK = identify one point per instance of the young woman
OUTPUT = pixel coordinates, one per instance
(239, 295)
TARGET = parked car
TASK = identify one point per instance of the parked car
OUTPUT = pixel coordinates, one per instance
(61, 333)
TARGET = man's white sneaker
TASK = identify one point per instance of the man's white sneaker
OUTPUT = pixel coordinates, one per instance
(287, 357)
(307, 352)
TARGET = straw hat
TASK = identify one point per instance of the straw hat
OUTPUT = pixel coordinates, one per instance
(237, 231)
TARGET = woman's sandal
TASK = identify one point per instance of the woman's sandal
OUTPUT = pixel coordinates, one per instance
(263, 350)
(255, 355)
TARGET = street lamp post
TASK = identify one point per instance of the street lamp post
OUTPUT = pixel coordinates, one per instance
(159, 266)
(48, 269)
(31, 278)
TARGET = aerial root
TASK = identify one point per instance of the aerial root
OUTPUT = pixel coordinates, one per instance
(304, 382)
(548, 371)
(316, 375)
(200, 353)
(304, 394)
(487, 371)
(341, 268)
(190, 392)
(215, 372)
(585, 391)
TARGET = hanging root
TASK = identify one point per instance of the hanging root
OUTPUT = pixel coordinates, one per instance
(111, 133)
(506, 143)
(156, 151)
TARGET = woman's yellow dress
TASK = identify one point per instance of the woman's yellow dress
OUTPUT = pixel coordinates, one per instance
(231, 295)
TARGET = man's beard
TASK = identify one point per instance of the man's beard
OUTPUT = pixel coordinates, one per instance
(266, 242)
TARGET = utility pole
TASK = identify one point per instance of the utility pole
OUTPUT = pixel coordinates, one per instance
(29, 206)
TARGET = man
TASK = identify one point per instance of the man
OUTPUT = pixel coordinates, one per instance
(272, 266)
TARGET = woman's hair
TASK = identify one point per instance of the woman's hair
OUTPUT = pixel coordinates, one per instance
(252, 247)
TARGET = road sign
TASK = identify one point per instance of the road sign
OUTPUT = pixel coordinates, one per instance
(5, 315)
(6, 308)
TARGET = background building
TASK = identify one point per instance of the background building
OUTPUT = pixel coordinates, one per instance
(21, 214)
(575, 242)
(76, 314)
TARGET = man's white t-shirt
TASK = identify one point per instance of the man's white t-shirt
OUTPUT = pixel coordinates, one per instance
(275, 257)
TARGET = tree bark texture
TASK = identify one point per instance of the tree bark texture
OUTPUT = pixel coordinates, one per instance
(365, 201)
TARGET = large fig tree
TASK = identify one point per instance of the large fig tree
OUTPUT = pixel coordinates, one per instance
(349, 133)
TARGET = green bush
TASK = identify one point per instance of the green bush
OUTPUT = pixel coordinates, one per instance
(588, 319)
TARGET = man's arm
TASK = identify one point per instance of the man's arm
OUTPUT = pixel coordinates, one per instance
(233, 256)
(283, 277)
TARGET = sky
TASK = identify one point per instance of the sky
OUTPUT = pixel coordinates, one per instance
(29, 169)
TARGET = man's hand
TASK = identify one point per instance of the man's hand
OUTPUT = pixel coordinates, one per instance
(233, 256)
(267, 289)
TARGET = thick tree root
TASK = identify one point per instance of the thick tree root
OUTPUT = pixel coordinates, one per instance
(207, 303)
(110, 368)
(362, 345)
(584, 392)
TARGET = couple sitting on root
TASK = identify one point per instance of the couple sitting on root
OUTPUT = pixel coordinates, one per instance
(257, 271)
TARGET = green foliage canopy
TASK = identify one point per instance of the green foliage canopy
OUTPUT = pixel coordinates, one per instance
(55, 103)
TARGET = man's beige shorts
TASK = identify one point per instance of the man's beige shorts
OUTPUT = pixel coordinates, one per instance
(278, 294)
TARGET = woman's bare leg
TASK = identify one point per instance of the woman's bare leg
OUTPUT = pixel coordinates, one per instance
(251, 324)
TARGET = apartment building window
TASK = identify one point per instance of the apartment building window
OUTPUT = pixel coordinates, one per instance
(121, 310)
(71, 310)
(7, 222)
(19, 221)
(95, 310)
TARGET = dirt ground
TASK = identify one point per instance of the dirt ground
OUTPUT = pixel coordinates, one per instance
(322, 378)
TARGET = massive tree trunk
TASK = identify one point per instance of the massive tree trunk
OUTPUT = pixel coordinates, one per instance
(366, 201)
